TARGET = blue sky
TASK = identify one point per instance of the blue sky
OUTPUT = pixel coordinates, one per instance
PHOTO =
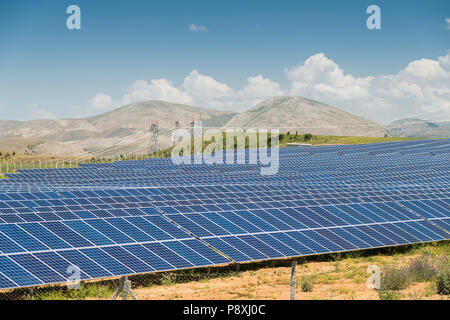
(48, 70)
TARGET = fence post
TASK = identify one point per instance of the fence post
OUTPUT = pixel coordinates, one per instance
(293, 279)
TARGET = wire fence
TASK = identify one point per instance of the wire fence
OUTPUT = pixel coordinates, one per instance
(104, 289)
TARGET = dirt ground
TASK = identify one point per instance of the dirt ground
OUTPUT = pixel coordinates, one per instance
(341, 279)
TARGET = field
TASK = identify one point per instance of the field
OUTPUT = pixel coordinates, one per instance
(321, 140)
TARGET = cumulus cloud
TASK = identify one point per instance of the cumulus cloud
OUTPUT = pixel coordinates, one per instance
(421, 88)
(196, 28)
(258, 89)
(320, 77)
(447, 21)
(444, 62)
(155, 89)
(101, 101)
(204, 91)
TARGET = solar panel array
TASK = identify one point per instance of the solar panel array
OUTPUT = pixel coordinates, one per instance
(133, 217)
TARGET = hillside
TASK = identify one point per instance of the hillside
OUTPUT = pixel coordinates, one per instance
(125, 130)
(305, 116)
(410, 127)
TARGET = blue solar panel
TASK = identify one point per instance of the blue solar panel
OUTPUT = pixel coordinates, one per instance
(132, 217)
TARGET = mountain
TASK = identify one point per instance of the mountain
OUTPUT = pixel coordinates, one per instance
(305, 116)
(411, 127)
(125, 130)
(120, 131)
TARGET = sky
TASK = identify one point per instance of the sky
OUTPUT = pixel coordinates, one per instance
(226, 55)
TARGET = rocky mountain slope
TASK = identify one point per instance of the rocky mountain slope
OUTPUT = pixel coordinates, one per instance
(410, 127)
(305, 116)
(125, 130)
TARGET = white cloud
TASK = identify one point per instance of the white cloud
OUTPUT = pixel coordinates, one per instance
(258, 89)
(155, 89)
(101, 101)
(425, 68)
(321, 77)
(196, 28)
(204, 91)
(422, 87)
(447, 21)
(444, 62)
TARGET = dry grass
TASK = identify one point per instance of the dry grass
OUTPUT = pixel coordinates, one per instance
(342, 279)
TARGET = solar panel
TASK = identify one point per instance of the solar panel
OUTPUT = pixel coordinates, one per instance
(133, 217)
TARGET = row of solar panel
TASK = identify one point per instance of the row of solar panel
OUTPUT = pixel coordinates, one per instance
(181, 193)
(97, 232)
(46, 267)
(209, 198)
(204, 224)
(220, 204)
(342, 189)
(379, 168)
(340, 173)
(251, 221)
(31, 269)
(439, 184)
(52, 235)
(122, 179)
(425, 208)
(273, 245)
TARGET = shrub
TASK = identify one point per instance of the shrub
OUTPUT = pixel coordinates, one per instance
(168, 279)
(423, 268)
(306, 284)
(308, 136)
(388, 295)
(395, 279)
(443, 281)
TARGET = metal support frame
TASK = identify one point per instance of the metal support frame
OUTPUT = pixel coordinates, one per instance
(125, 287)
(31, 293)
(293, 279)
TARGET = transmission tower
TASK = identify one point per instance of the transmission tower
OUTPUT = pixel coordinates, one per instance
(154, 131)
(196, 125)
